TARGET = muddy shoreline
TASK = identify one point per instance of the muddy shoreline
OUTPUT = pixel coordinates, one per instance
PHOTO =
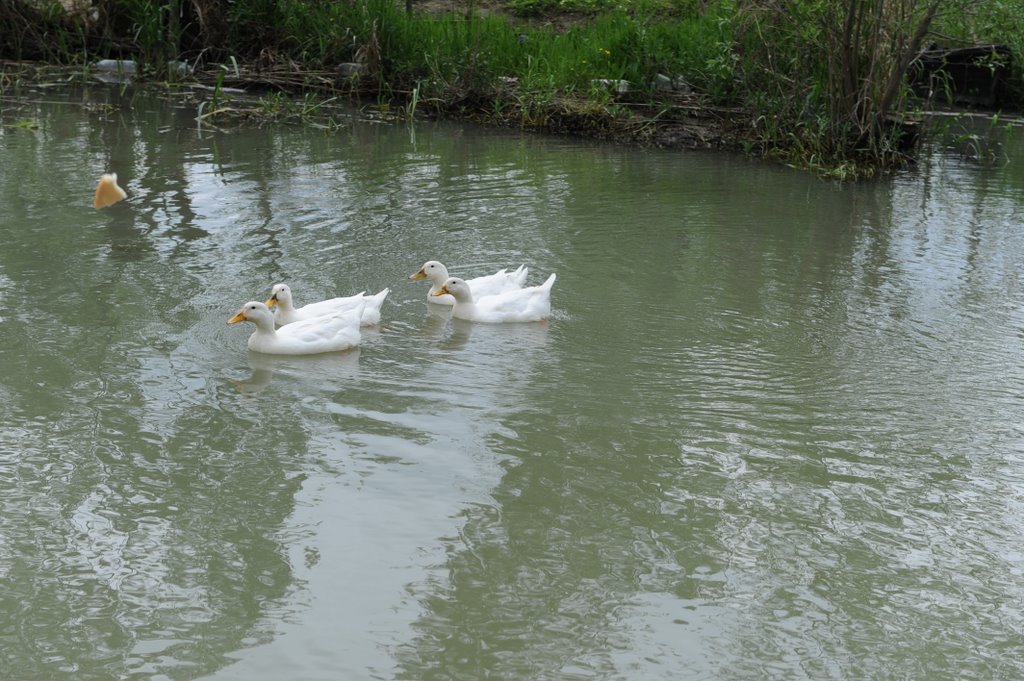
(671, 121)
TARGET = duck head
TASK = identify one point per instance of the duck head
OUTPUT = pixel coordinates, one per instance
(432, 270)
(457, 288)
(280, 295)
(254, 311)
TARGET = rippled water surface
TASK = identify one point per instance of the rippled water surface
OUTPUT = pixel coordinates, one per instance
(773, 429)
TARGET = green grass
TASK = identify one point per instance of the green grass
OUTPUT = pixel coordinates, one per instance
(450, 52)
(533, 7)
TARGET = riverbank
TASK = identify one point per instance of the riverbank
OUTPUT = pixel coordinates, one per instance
(796, 87)
(256, 94)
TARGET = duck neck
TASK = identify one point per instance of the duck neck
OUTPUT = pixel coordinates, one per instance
(264, 327)
(437, 281)
(464, 308)
(285, 304)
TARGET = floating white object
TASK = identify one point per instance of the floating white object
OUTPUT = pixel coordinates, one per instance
(118, 65)
(108, 192)
(115, 71)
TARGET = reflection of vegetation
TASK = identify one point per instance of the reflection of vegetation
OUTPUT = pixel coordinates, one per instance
(144, 525)
(547, 579)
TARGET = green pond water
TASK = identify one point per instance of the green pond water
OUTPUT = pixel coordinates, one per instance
(773, 428)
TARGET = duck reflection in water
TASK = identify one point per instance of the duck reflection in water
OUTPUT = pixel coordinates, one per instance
(340, 367)
(497, 340)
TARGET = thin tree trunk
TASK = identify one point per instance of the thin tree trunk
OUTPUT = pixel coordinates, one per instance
(909, 54)
(173, 29)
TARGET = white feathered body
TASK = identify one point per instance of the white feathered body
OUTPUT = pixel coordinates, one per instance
(487, 285)
(328, 333)
(286, 313)
(530, 304)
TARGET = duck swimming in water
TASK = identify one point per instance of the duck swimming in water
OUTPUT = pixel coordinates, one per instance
(327, 333)
(488, 285)
(285, 311)
(530, 304)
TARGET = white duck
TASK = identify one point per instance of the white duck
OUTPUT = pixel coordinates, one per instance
(530, 304)
(285, 311)
(488, 285)
(328, 333)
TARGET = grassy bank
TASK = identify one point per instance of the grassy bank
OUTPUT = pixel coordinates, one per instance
(818, 83)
